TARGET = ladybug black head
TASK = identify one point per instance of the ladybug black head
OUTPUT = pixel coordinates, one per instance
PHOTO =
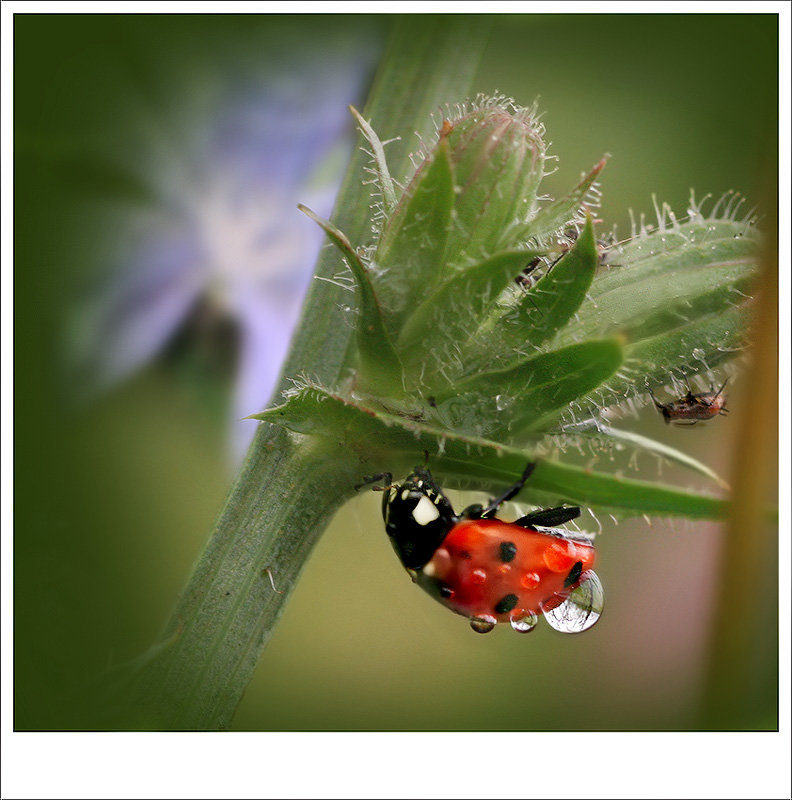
(418, 516)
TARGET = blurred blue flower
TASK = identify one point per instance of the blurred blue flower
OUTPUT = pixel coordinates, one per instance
(222, 238)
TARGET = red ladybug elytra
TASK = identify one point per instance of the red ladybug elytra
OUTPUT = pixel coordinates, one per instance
(489, 570)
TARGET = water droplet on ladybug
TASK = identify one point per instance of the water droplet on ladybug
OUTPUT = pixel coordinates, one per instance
(478, 576)
(581, 609)
(525, 623)
(530, 580)
(560, 555)
(483, 624)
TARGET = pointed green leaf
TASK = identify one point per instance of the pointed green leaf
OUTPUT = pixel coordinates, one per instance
(409, 256)
(384, 179)
(516, 401)
(387, 441)
(380, 370)
(436, 330)
(535, 316)
(697, 347)
(553, 217)
(597, 430)
(667, 280)
(559, 294)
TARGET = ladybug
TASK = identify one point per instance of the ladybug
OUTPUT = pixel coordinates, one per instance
(486, 569)
(692, 408)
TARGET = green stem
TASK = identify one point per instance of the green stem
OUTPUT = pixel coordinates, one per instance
(280, 505)
(291, 486)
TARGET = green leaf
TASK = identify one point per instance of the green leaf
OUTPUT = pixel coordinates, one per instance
(392, 442)
(381, 171)
(437, 329)
(597, 430)
(697, 347)
(553, 217)
(668, 280)
(536, 315)
(410, 252)
(380, 369)
(530, 395)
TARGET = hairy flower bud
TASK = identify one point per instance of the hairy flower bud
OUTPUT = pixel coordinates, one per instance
(497, 158)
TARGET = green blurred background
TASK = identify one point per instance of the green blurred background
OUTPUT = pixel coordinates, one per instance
(115, 498)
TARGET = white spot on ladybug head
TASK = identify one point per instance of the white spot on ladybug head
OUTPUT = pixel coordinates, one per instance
(425, 512)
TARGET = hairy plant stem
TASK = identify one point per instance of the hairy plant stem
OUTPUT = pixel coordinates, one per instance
(290, 486)
(285, 496)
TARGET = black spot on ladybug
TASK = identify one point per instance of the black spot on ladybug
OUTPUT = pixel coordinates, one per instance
(508, 550)
(445, 591)
(574, 574)
(506, 603)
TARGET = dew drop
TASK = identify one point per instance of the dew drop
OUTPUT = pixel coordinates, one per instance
(560, 555)
(478, 576)
(530, 580)
(483, 624)
(525, 623)
(581, 609)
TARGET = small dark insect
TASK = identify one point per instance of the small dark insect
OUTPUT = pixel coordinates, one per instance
(525, 280)
(692, 408)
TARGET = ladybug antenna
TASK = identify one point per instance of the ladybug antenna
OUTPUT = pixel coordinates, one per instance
(723, 386)
(380, 476)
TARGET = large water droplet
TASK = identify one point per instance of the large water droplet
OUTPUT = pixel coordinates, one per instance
(525, 623)
(581, 609)
(483, 624)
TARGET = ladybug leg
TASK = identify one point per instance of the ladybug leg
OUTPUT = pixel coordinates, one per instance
(472, 512)
(380, 476)
(549, 517)
(511, 491)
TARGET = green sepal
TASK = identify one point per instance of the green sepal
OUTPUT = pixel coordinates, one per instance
(384, 180)
(390, 442)
(438, 329)
(380, 371)
(531, 318)
(412, 245)
(553, 217)
(514, 402)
